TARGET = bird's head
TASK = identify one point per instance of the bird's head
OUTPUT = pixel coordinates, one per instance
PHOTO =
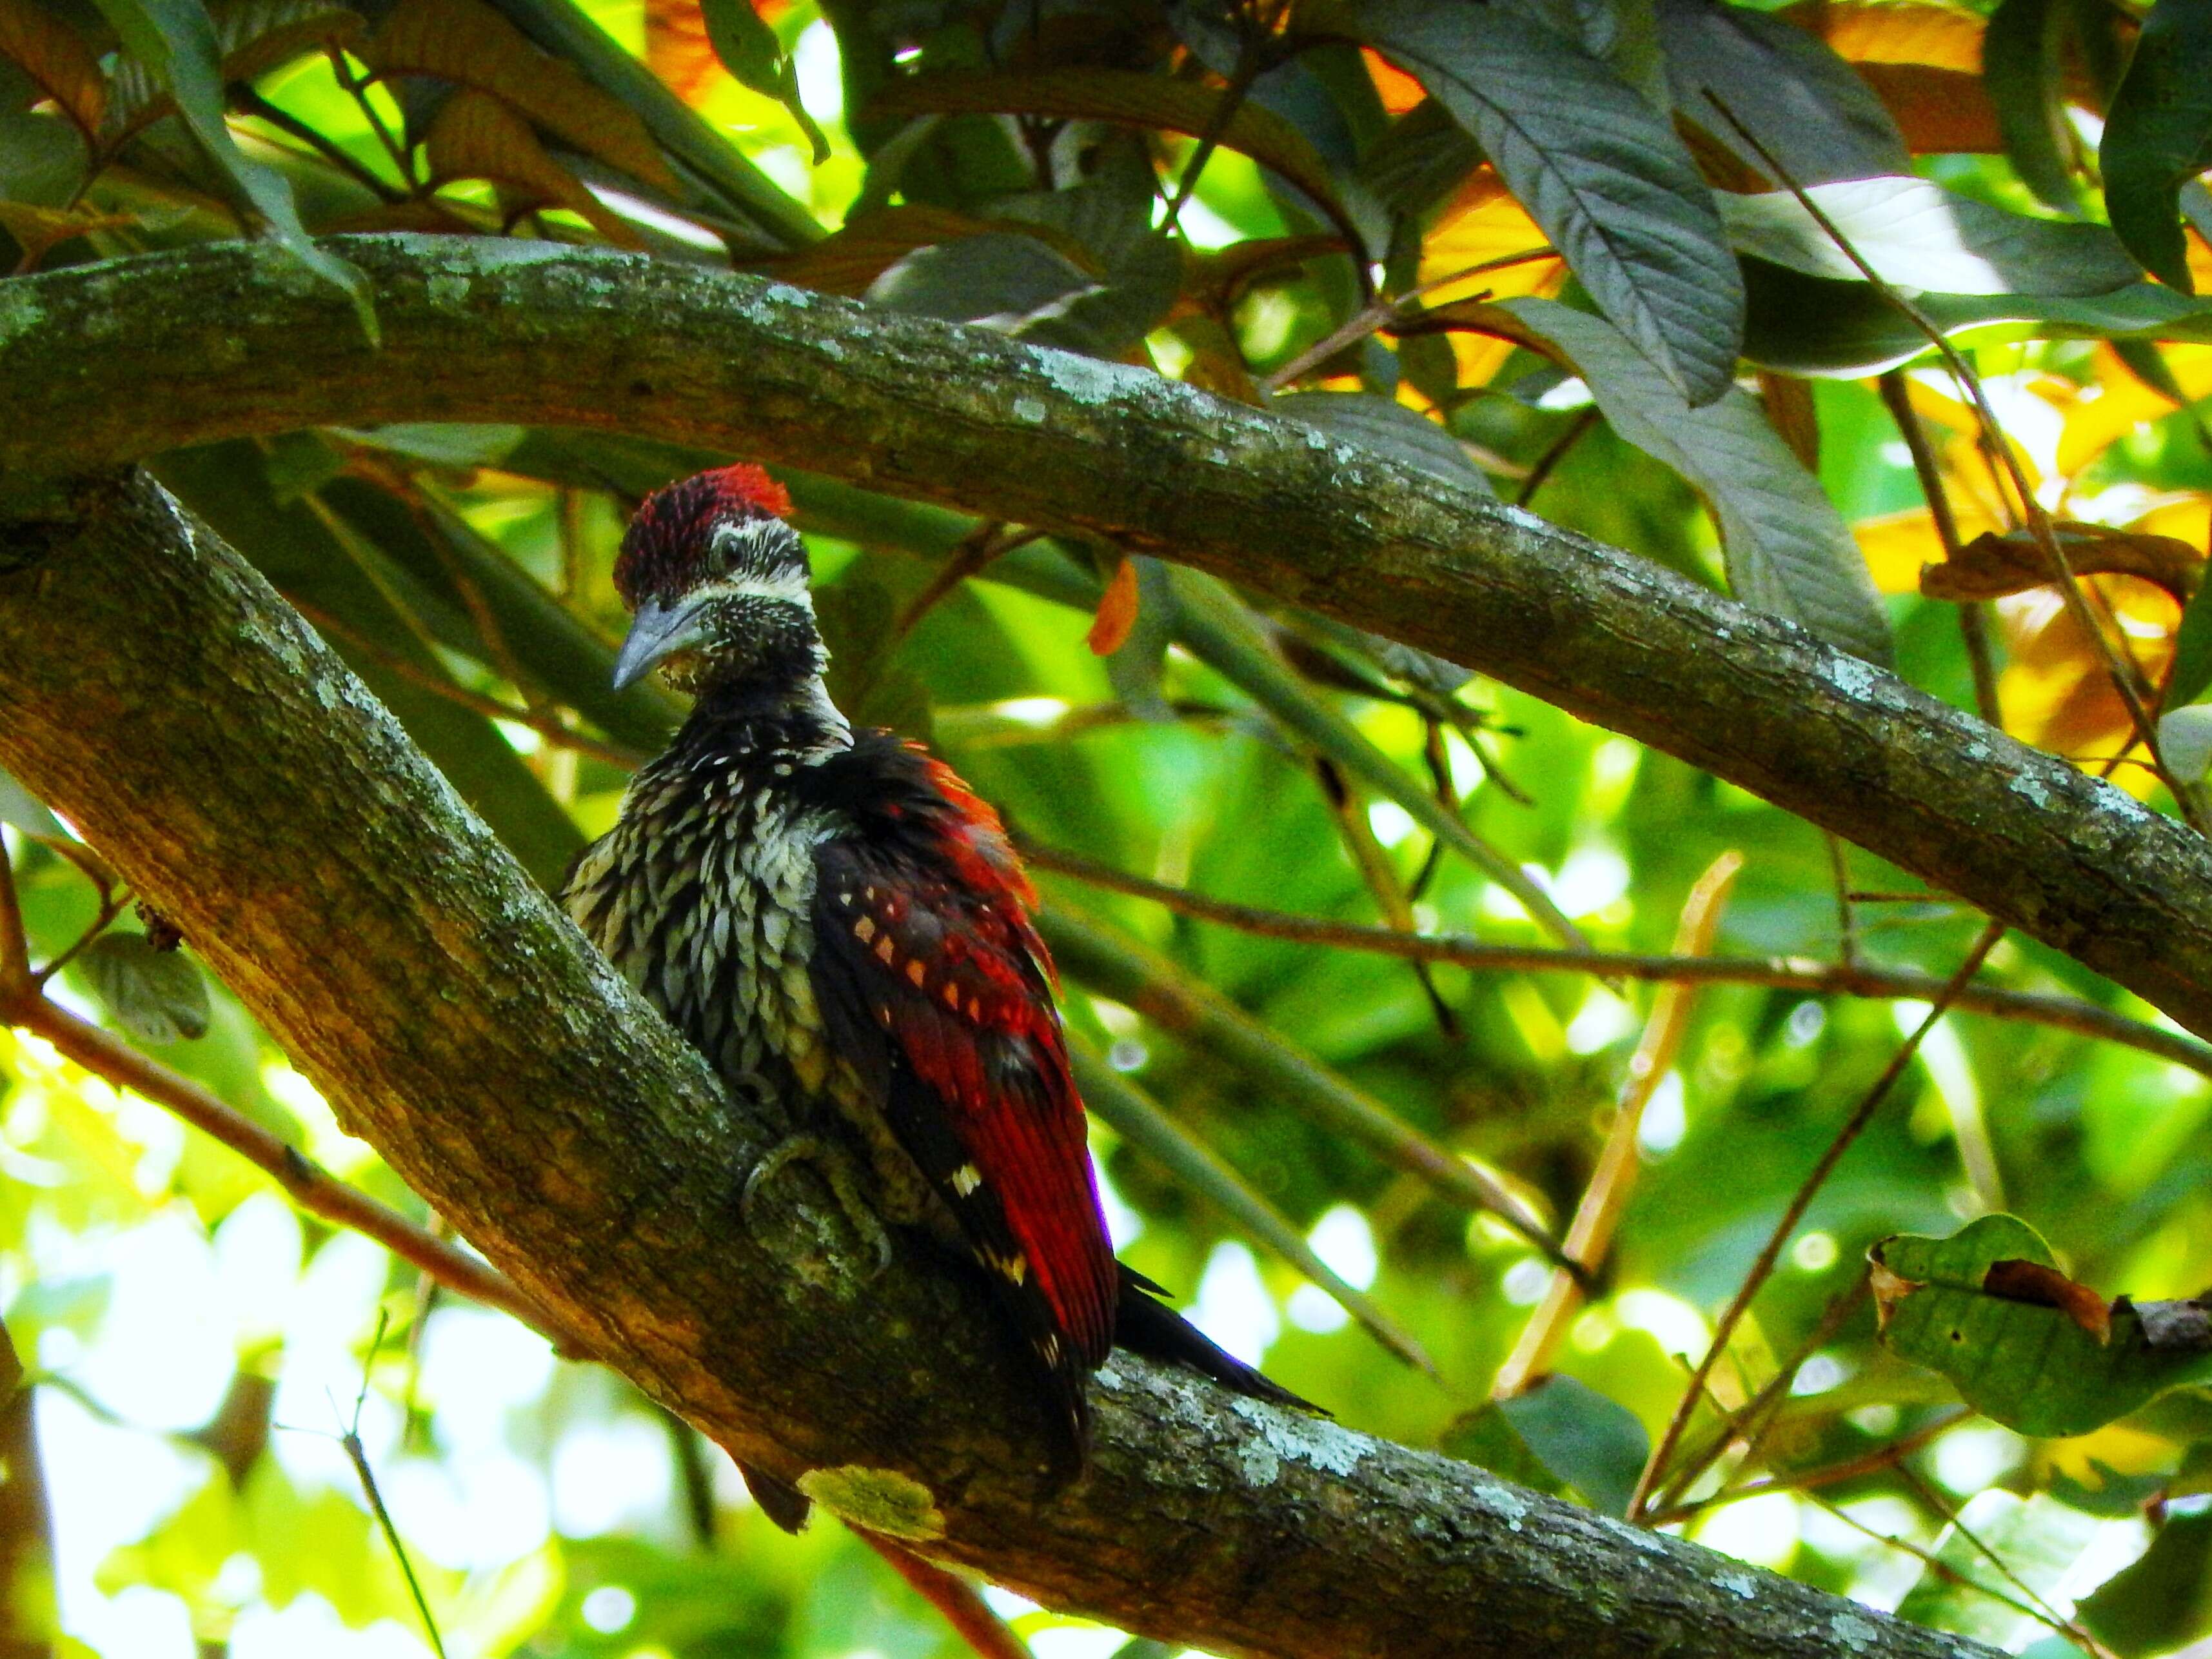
(716, 582)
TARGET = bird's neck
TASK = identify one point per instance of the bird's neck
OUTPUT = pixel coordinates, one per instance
(750, 721)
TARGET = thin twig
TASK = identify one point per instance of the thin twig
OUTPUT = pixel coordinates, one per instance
(1752, 1421)
(1770, 1252)
(359, 90)
(112, 903)
(1973, 620)
(1828, 1475)
(960, 1602)
(1380, 313)
(358, 1455)
(1590, 1236)
(986, 543)
(2125, 678)
(252, 103)
(15, 983)
(1847, 925)
(1785, 974)
(312, 1187)
(547, 725)
(1554, 452)
(1950, 1575)
(2050, 1614)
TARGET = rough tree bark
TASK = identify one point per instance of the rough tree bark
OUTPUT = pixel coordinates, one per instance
(231, 339)
(157, 691)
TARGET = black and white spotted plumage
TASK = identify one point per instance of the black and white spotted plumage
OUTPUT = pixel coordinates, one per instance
(837, 923)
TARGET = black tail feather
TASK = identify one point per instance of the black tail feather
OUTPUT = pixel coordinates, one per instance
(1146, 1326)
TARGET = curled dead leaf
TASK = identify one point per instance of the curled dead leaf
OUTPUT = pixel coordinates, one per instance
(2046, 1287)
(1117, 611)
(1889, 1289)
(1993, 565)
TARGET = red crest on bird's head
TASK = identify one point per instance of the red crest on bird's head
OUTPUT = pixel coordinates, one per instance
(673, 543)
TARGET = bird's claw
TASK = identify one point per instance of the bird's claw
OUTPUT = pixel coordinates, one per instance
(838, 1170)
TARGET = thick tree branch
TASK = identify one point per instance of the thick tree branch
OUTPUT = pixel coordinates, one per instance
(154, 688)
(229, 339)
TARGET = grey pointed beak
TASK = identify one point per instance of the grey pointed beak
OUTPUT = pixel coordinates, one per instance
(657, 631)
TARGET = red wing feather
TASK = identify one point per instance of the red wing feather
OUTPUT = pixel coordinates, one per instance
(933, 925)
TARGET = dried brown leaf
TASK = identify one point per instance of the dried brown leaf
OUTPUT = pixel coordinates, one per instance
(466, 42)
(57, 60)
(1993, 565)
(2017, 1280)
(1117, 611)
(476, 135)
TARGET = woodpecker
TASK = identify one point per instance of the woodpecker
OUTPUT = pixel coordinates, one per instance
(837, 922)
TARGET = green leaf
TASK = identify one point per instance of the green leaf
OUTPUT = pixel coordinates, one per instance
(1132, 98)
(2037, 1538)
(2193, 650)
(1801, 324)
(2023, 70)
(1420, 160)
(2164, 1601)
(157, 996)
(1389, 427)
(716, 173)
(176, 41)
(1217, 629)
(22, 810)
(1486, 1436)
(857, 613)
(1917, 236)
(2035, 1367)
(1805, 105)
(1597, 167)
(1596, 1445)
(1788, 549)
(748, 49)
(325, 558)
(441, 444)
(999, 279)
(2158, 136)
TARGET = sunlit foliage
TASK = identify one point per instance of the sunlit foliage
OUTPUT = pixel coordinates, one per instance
(1263, 200)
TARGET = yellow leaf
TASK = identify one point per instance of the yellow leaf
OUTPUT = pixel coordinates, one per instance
(57, 60)
(2118, 404)
(1897, 545)
(1940, 111)
(1117, 611)
(1398, 91)
(1484, 224)
(1897, 32)
(465, 42)
(477, 136)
